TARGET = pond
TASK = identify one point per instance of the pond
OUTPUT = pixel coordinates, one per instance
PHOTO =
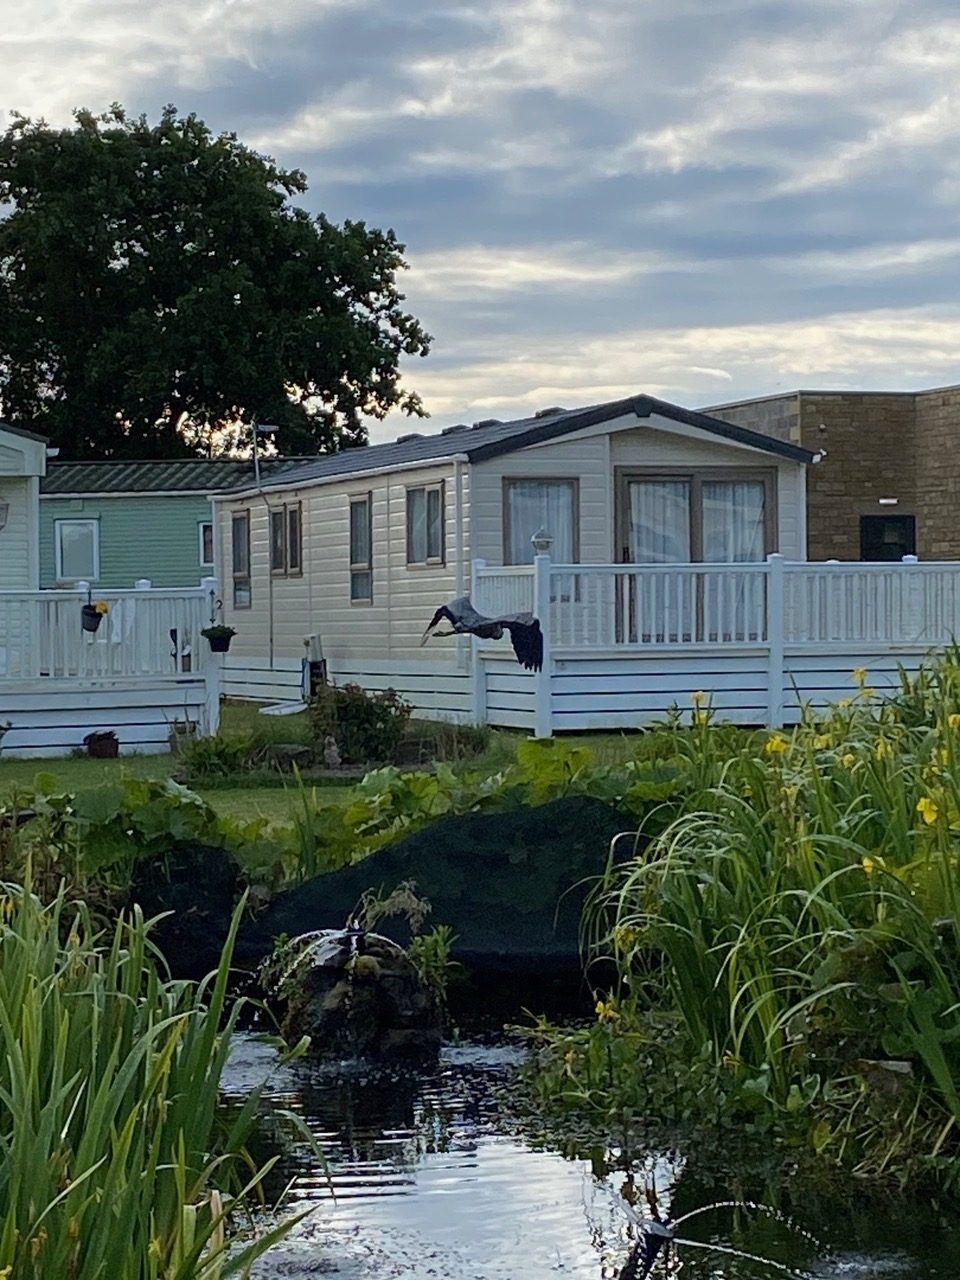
(423, 1179)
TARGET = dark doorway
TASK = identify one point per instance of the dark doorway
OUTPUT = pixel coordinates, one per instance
(887, 537)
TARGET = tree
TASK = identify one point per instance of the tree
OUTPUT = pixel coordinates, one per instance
(158, 288)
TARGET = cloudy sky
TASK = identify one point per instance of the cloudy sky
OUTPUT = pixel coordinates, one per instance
(701, 199)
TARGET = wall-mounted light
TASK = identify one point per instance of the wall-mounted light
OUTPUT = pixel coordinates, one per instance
(4, 512)
(888, 502)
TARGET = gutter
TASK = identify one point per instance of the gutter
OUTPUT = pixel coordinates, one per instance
(343, 477)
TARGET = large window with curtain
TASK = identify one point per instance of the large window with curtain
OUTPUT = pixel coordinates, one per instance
(711, 517)
(532, 505)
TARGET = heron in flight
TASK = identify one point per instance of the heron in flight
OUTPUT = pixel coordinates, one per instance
(524, 629)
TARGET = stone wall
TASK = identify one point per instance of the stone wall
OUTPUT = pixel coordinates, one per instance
(938, 474)
(869, 445)
(777, 416)
(869, 442)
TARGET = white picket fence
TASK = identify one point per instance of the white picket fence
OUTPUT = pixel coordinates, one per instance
(624, 643)
(145, 667)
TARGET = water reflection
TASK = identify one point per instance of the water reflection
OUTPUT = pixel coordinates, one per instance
(422, 1181)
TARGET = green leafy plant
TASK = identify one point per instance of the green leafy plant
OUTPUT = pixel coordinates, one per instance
(430, 955)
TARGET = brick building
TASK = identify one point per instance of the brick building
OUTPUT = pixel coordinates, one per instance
(889, 482)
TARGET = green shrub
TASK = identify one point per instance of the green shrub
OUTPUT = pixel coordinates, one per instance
(220, 756)
(367, 727)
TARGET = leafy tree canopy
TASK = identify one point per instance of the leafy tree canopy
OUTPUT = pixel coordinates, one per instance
(158, 287)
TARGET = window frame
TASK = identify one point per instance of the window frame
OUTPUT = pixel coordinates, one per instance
(201, 525)
(241, 580)
(284, 566)
(358, 567)
(94, 523)
(907, 520)
(695, 477)
(431, 562)
(573, 482)
(294, 569)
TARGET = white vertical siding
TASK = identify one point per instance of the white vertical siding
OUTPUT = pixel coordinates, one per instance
(285, 610)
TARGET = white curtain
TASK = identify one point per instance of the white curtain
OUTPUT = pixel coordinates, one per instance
(659, 522)
(733, 521)
(539, 504)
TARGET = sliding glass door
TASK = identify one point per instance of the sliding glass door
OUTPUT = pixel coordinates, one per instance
(709, 517)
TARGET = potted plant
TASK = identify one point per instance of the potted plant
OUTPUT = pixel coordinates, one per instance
(91, 614)
(102, 744)
(219, 637)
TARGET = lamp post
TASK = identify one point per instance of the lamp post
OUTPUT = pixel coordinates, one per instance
(541, 541)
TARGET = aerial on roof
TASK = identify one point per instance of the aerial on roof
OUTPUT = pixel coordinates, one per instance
(489, 438)
(185, 475)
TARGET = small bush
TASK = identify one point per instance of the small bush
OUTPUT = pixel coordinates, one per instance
(366, 726)
(220, 756)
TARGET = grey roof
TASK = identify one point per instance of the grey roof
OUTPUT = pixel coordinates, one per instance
(19, 431)
(184, 475)
(491, 438)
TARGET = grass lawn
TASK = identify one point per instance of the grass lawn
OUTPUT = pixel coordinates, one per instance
(245, 803)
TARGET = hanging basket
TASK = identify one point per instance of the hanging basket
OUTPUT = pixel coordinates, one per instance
(90, 617)
(219, 638)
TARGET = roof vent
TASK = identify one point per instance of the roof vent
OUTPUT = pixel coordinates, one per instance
(549, 413)
(411, 435)
(487, 422)
(457, 426)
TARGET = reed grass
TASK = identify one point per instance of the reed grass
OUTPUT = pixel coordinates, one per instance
(797, 920)
(115, 1162)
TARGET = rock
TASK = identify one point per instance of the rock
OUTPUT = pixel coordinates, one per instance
(353, 994)
(511, 885)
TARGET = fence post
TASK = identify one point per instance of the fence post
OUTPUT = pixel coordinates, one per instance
(543, 708)
(775, 639)
(211, 667)
(478, 672)
(913, 627)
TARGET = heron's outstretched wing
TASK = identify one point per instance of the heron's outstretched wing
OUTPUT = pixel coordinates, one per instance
(527, 640)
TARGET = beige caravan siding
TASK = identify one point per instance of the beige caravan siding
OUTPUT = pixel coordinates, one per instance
(285, 610)
(680, 446)
(18, 539)
(585, 459)
(591, 457)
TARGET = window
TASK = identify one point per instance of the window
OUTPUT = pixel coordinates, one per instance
(77, 550)
(531, 505)
(887, 537)
(294, 539)
(278, 541)
(425, 525)
(361, 550)
(286, 550)
(707, 517)
(205, 530)
(240, 541)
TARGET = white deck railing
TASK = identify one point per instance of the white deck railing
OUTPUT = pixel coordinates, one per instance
(775, 602)
(153, 632)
